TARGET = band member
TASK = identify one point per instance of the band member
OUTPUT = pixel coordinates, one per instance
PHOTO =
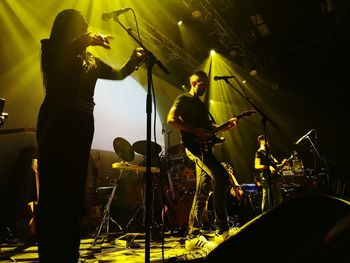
(190, 115)
(65, 130)
(271, 191)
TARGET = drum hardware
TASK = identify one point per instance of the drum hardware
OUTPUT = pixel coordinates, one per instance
(106, 219)
(133, 167)
(125, 152)
(176, 150)
(136, 168)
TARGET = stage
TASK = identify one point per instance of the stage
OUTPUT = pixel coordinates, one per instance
(129, 247)
(309, 227)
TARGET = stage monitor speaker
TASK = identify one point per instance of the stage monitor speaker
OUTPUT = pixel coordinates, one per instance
(306, 228)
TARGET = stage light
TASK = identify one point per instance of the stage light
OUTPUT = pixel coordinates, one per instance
(253, 72)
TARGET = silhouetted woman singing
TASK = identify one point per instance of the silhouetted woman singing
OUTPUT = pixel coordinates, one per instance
(65, 130)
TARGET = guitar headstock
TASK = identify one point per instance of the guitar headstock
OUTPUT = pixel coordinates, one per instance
(291, 157)
(227, 166)
(245, 114)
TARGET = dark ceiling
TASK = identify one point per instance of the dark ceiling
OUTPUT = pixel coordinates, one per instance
(298, 45)
(284, 38)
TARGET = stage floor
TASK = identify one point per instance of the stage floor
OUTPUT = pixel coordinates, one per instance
(129, 247)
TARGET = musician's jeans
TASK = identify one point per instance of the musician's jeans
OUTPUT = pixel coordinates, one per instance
(268, 202)
(209, 173)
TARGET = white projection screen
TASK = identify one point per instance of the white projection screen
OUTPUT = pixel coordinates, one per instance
(120, 111)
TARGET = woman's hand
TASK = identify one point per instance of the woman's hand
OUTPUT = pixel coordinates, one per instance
(96, 39)
(99, 39)
(138, 56)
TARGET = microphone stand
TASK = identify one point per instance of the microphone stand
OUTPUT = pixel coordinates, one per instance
(264, 121)
(314, 151)
(321, 159)
(151, 60)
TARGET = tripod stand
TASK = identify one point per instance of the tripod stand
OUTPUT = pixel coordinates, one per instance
(141, 209)
(106, 216)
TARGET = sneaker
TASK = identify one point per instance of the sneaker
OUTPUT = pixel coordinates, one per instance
(198, 242)
(219, 238)
(233, 231)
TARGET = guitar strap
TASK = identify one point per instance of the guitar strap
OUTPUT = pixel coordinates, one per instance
(271, 161)
(211, 116)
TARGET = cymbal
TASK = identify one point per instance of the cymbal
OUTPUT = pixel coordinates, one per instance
(123, 149)
(141, 147)
(177, 149)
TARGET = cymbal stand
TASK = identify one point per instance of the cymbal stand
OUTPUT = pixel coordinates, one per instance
(143, 209)
(133, 217)
(106, 215)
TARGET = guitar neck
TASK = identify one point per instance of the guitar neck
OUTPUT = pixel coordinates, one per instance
(8, 131)
(227, 124)
(280, 167)
(221, 127)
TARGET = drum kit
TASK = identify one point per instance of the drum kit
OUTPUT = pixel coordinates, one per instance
(175, 196)
(173, 167)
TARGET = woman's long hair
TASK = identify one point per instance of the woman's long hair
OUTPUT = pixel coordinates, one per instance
(68, 25)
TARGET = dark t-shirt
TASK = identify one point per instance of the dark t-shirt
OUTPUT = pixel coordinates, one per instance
(261, 154)
(192, 111)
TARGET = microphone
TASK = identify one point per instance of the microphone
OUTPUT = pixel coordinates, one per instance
(304, 136)
(114, 14)
(223, 77)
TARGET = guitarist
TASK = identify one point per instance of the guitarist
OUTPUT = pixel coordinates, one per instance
(260, 164)
(190, 115)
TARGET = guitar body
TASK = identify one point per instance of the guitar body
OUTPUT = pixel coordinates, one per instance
(178, 210)
(275, 172)
(213, 140)
(235, 189)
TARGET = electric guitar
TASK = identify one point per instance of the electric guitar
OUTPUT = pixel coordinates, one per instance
(32, 206)
(213, 140)
(178, 206)
(236, 191)
(280, 166)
